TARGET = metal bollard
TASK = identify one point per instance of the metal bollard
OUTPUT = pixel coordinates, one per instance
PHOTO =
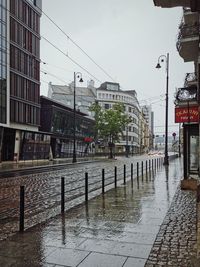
(21, 210)
(115, 177)
(103, 181)
(146, 170)
(131, 171)
(62, 194)
(142, 170)
(137, 171)
(124, 174)
(149, 170)
(86, 186)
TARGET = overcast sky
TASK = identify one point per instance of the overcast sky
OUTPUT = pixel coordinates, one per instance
(125, 38)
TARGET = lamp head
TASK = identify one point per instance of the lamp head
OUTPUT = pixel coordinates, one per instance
(158, 66)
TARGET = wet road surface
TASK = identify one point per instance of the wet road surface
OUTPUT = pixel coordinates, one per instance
(114, 229)
(43, 191)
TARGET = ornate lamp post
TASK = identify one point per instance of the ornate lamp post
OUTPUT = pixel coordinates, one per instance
(165, 59)
(79, 76)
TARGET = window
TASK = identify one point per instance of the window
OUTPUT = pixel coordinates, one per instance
(106, 106)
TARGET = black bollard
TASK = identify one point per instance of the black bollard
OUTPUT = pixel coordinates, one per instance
(131, 172)
(115, 177)
(62, 194)
(146, 170)
(124, 174)
(103, 180)
(137, 171)
(142, 170)
(86, 186)
(21, 210)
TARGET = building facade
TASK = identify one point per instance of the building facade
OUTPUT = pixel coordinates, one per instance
(85, 96)
(19, 73)
(149, 117)
(187, 106)
(109, 94)
(57, 120)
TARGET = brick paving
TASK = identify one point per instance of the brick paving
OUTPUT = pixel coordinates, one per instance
(116, 229)
(131, 226)
(43, 190)
(175, 244)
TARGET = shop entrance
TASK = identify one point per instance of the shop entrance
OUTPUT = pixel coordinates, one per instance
(190, 149)
(8, 144)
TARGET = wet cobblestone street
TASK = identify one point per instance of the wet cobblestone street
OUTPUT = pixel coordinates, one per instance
(43, 192)
(118, 228)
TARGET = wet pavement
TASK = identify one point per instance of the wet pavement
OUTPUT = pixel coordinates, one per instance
(118, 228)
(176, 242)
(43, 191)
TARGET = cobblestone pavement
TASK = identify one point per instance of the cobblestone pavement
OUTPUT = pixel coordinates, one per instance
(116, 229)
(43, 190)
(175, 244)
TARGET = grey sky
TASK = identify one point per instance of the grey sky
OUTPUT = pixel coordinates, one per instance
(125, 38)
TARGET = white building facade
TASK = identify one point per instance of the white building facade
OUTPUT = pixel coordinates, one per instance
(109, 94)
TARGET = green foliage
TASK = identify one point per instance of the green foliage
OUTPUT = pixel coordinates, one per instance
(109, 123)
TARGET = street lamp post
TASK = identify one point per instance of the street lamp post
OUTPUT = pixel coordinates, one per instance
(127, 148)
(76, 75)
(161, 59)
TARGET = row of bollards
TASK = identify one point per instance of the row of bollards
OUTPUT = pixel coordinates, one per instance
(153, 165)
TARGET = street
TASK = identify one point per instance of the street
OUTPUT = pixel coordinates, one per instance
(117, 228)
(43, 190)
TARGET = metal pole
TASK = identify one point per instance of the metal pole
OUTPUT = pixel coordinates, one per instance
(127, 141)
(146, 170)
(166, 159)
(131, 171)
(62, 194)
(74, 123)
(142, 171)
(124, 174)
(86, 186)
(115, 177)
(103, 181)
(21, 210)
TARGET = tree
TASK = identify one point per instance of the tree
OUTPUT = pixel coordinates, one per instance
(109, 123)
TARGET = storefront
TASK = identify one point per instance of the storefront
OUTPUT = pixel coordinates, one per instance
(57, 119)
(188, 115)
(34, 146)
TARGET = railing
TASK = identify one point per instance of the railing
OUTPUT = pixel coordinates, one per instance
(186, 32)
(190, 78)
(186, 9)
(36, 201)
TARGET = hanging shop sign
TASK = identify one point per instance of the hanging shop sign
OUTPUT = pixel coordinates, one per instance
(186, 114)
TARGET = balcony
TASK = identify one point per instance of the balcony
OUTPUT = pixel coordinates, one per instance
(193, 4)
(185, 96)
(172, 3)
(190, 79)
(188, 42)
(189, 17)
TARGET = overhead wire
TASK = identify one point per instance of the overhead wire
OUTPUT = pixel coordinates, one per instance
(81, 49)
(66, 55)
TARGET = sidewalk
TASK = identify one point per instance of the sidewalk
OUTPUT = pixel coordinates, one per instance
(115, 229)
(6, 167)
